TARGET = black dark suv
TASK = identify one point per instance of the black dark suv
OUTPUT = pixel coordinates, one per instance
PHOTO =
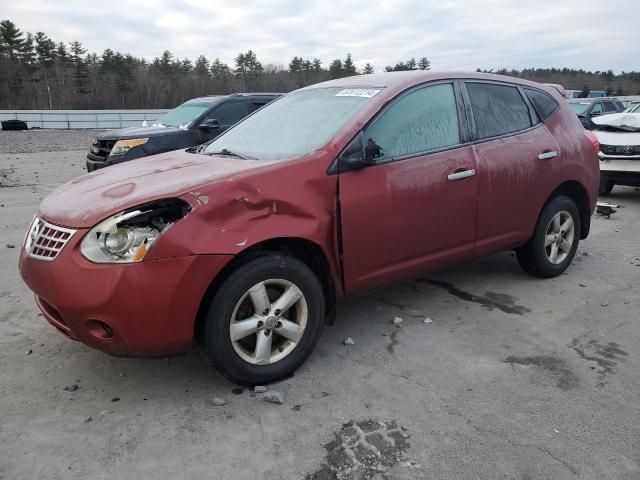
(587, 108)
(192, 123)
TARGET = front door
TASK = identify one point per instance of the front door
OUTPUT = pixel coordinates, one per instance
(415, 209)
(228, 113)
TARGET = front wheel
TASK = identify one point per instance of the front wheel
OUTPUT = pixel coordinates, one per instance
(555, 239)
(265, 320)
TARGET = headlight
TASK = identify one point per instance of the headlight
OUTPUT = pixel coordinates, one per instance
(127, 237)
(94, 146)
(123, 146)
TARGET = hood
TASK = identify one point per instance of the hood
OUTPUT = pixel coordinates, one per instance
(621, 121)
(139, 132)
(85, 201)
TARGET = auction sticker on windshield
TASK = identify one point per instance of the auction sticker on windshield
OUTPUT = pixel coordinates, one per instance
(358, 92)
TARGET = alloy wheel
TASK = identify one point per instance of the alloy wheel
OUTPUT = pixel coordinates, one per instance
(559, 237)
(268, 321)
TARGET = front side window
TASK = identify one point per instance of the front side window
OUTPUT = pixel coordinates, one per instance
(420, 121)
(497, 109)
(597, 108)
(229, 113)
(543, 103)
(295, 125)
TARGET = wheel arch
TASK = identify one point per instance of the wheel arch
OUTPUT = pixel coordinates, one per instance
(308, 252)
(578, 193)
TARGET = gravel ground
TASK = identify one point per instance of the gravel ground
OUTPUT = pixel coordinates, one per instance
(514, 377)
(39, 140)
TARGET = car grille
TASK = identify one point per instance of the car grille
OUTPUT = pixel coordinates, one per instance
(102, 148)
(45, 241)
(620, 150)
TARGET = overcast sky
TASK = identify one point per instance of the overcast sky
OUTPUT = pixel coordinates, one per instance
(453, 34)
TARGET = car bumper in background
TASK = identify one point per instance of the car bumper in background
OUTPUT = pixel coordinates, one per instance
(143, 309)
(620, 170)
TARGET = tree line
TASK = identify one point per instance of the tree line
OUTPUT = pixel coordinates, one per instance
(37, 72)
(624, 83)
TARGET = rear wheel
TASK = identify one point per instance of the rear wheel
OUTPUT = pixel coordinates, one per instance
(555, 239)
(265, 320)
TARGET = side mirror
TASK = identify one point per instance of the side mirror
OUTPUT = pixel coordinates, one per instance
(210, 124)
(353, 157)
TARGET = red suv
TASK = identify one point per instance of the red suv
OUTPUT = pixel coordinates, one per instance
(246, 243)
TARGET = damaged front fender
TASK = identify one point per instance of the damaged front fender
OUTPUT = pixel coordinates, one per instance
(231, 216)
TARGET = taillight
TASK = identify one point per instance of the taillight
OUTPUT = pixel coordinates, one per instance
(593, 139)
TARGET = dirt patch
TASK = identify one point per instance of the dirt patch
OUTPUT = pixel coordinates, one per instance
(363, 450)
(605, 355)
(554, 367)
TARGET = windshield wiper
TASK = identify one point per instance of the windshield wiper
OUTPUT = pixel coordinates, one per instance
(229, 153)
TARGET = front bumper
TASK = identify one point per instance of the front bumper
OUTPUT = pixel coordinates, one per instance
(95, 162)
(142, 309)
(620, 170)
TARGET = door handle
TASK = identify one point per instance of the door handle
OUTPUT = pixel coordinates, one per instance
(547, 155)
(459, 175)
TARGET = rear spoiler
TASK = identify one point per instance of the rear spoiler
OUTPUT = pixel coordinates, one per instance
(559, 88)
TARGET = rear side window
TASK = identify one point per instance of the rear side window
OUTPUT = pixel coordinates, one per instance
(497, 109)
(422, 120)
(609, 107)
(544, 104)
(230, 113)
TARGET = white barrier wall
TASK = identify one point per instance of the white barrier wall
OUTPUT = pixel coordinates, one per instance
(82, 118)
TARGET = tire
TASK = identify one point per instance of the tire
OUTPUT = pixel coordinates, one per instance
(605, 187)
(241, 360)
(536, 257)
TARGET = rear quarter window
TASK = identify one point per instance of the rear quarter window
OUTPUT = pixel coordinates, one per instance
(497, 109)
(543, 103)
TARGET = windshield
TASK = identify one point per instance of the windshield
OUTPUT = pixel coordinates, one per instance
(295, 125)
(635, 108)
(579, 107)
(183, 115)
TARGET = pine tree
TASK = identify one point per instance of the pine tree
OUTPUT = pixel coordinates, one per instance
(11, 39)
(220, 70)
(80, 68)
(46, 54)
(348, 66)
(368, 69)
(335, 69)
(295, 65)
(424, 64)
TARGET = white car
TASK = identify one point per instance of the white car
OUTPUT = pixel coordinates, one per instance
(633, 107)
(619, 137)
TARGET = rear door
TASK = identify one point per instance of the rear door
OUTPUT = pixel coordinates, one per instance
(415, 208)
(517, 161)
